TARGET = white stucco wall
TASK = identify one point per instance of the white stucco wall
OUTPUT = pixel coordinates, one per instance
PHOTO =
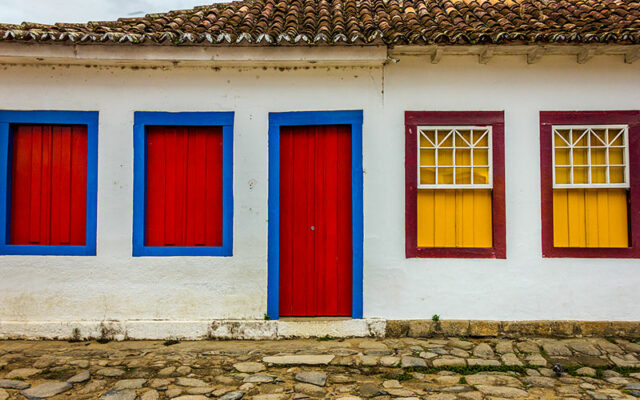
(115, 286)
(525, 285)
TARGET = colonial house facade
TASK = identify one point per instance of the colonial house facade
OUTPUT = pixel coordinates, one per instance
(230, 169)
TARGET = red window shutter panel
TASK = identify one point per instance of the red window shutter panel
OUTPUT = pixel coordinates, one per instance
(49, 185)
(184, 186)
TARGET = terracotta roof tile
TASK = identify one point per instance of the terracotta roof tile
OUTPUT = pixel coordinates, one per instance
(360, 22)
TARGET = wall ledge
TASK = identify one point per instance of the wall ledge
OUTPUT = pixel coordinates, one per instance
(308, 328)
(190, 330)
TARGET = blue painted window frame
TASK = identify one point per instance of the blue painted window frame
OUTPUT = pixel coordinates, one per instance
(302, 118)
(87, 118)
(142, 119)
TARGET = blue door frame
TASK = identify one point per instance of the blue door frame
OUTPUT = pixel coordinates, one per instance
(305, 118)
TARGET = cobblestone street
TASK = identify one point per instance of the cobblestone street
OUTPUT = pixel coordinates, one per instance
(350, 369)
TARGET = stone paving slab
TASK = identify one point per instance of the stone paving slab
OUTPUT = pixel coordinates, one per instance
(442, 368)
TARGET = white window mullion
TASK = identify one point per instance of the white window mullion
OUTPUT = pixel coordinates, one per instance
(454, 131)
(453, 142)
(589, 132)
(571, 156)
(606, 161)
(594, 143)
(471, 151)
(436, 144)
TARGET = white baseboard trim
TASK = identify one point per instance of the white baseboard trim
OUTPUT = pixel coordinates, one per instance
(191, 330)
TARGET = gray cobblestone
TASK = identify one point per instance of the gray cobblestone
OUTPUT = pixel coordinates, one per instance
(349, 369)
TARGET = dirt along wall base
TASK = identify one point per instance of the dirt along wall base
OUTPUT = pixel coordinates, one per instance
(309, 328)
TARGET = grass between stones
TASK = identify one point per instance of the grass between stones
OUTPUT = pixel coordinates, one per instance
(469, 370)
(57, 373)
(624, 371)
(405, 376)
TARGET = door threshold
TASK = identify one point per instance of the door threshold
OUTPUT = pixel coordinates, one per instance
(314, 319)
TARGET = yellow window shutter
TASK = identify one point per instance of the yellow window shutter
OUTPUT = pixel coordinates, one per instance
(454, 206)
(590, 186)
(590, 218)
(455, 218)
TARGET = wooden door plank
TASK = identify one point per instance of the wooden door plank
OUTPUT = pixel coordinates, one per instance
(345, 221)
(286, 222)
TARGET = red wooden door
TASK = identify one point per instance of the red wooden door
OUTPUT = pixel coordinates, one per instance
(315, 221)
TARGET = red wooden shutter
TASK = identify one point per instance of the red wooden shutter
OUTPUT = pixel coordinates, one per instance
(49, 185)
(184, 186)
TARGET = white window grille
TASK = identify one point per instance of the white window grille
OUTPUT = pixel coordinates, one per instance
(455, 157)
(595, 156)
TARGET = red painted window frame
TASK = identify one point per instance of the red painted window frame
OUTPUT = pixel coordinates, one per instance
(412, 120)
(547, 120)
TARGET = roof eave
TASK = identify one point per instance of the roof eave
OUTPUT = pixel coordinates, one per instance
(533, 53)
(206, 56)
(249, 56)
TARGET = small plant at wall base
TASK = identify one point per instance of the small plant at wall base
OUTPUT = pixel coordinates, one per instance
(75, 336)
(435, 318)
(108, 333)
(266, 317)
